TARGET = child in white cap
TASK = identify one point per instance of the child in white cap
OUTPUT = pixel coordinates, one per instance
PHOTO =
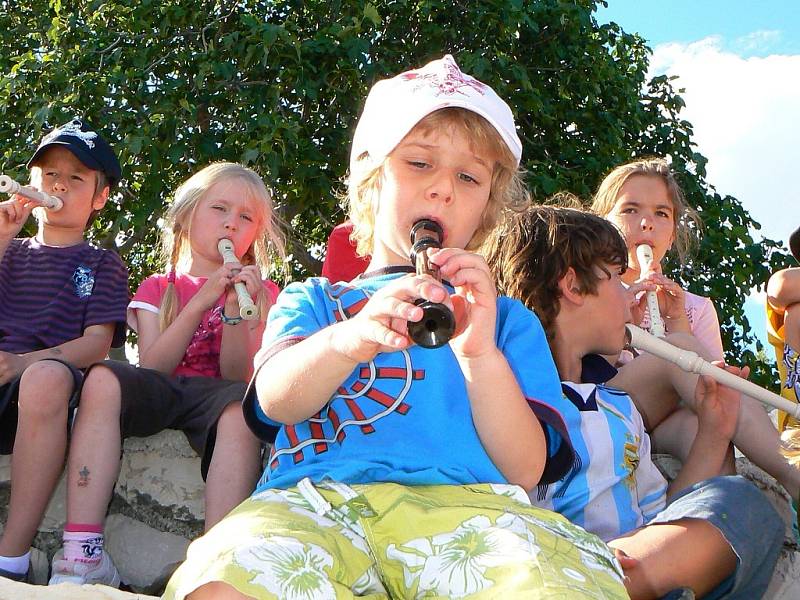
(401, 471)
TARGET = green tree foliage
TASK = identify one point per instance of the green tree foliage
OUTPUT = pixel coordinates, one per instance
(278, 85)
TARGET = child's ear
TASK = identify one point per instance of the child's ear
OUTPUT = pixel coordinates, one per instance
(570, 287)
(100, 199)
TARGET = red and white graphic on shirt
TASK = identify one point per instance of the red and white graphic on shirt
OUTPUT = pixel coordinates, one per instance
(375, 394)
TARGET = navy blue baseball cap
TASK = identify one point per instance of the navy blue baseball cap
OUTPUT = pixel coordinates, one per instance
(86, 144)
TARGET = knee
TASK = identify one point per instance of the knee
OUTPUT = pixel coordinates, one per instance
(765, 522)
(101, 392)
(232, 416)
(216, 590)
(44, 390)
(232, 426)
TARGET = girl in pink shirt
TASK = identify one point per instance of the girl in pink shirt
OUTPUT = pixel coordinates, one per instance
(195, 357)
(645, 201)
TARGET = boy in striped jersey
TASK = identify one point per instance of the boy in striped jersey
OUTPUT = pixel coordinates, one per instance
(64, 303)
(717, 536)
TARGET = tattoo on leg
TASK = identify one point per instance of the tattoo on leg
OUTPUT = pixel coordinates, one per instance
(83, 480)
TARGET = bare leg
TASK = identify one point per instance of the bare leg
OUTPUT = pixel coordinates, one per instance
(675, 436)
(216, 590)
(686, 553)
(645, 379)
(234, 467)
(95, 449)
(39, 450)
(657, 386)
(758, 439)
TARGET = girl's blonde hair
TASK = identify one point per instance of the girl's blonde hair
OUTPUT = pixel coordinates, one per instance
(686, 221)
(176, 231)
(507, 191)
(790, 446)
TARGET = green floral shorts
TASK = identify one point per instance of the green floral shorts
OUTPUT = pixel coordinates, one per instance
(391, 541)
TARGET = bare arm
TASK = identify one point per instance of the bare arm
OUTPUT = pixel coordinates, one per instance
(240, 342)
(783, 288)
(298, 381)
(508, 429)
(717, 409)
(705, 460)
(164, 350)
(91, 347)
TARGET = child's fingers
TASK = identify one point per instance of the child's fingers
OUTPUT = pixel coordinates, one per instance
(460, 314)
(386, 336)
(707, 384)
(391, 307)
(640, 286)
(414, 287)
(626, 561)
(451, 260)
(743, 372)
(251, 277)
(15, 212)
(476, 280)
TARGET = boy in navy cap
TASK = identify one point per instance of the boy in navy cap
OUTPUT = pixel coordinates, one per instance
(64, 304)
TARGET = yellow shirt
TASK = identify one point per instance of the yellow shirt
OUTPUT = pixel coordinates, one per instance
(775, 335)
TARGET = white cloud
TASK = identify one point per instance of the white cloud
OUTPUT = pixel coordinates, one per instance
(746, 117)
(757, 41)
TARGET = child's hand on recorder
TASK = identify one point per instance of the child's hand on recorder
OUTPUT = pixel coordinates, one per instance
(382, 324)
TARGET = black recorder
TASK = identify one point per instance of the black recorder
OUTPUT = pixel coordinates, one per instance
(438, 323)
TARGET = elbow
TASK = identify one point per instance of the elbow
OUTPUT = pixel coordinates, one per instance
(528, 478)
(527, 482)
(145, 363)
(100, 355)
(783, 288)
(274, 404)
(277, 411)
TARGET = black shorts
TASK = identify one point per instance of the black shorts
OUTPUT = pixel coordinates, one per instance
(153, 401)
(9, 406)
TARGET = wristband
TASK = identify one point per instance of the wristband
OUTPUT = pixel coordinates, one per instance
(229, 320)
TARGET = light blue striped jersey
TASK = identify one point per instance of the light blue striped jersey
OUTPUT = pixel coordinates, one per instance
(613, 487)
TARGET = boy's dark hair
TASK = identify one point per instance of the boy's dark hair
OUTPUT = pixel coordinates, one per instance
(794, 244)
(533, 250)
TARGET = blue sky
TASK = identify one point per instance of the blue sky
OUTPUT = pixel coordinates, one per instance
(739, 62)
(686, 21)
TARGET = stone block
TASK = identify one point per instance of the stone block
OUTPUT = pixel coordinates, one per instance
(144, 556)
(162, 470)
(158, 507)
(11, 590)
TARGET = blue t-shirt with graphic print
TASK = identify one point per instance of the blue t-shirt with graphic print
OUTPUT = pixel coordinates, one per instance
(405, 416)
